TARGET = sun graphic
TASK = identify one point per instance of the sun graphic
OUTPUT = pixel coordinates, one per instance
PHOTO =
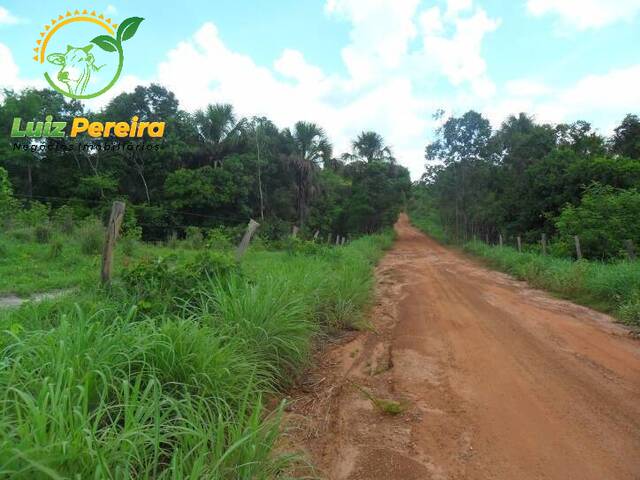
(77, 66)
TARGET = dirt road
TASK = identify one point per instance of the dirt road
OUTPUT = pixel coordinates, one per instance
(499, 381)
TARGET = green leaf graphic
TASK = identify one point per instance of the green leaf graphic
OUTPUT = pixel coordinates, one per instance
(106, 43)
(128, 28)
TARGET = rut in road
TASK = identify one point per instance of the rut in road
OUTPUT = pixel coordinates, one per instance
(499, 381)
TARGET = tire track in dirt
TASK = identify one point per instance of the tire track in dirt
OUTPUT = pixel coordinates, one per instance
(499, 381)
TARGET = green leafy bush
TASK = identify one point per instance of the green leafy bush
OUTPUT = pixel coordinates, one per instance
(23, 234)
(43, 233)
(62, 219)
(219, 239)
(8, 204)
(194, 238)
(91, 234)
(36, 214)
(603, 220)
(160, 280)
(56, 248)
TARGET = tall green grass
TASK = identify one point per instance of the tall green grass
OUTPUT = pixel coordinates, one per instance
(612, 287)
(91, 386)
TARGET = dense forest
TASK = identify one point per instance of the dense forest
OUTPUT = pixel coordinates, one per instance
(527, 179)
(211, 169)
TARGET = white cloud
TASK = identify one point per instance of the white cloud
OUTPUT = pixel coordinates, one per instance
(380, 35)
(526, 88)
(10, 73)
(585, 14)
(454, 43)
(111, 10)
(7, 18)
(607, 96)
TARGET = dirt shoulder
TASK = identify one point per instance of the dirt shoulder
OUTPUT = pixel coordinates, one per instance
(494, 380)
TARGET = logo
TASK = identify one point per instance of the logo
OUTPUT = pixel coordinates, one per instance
(83, 53)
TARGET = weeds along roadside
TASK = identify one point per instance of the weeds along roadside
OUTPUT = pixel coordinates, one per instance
(613, 287)
(164, 376)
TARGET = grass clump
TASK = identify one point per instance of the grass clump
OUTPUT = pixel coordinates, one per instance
(164, 375)
(91, 234)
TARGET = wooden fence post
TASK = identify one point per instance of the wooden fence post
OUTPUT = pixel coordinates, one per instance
(113, 229)
(315, 235)
(294, 231)
(342, 242)
(337, 239)
(246, 239)
(544, 243)
(519, 239)
(578, 249)
(500, 239)
(631, 251)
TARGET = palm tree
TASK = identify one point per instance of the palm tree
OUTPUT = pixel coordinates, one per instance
(219, 129)
(370, 146)
(311, 148)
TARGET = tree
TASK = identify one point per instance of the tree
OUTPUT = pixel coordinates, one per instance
(219, 130)
(462, 146)
(626, 139)
(310, 147)
(370, 147)
(7, 203)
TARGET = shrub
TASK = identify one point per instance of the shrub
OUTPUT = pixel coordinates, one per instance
(63, 219)
(194, 237)
(158, 281)
(298, 246)
(36, 214)
(604, 219)
(43, 233)
(219, 239)
(24, 234)
(91, 235)
(129, 245)
(8, 204)
(172, 241)
(56, 248)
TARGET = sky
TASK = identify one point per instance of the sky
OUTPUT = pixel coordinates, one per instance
(354, 65)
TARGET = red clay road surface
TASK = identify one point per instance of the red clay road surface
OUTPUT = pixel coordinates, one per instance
(499, 381)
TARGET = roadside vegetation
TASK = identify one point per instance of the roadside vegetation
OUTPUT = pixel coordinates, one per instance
(173, 370)
(166, 373)
(540, 183)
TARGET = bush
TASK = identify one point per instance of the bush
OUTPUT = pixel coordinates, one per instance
(56, 248)
(219, 239)
(43, 233)
(8, 204)
(129, 246)
(36, 214)
(194, 237)
(603, 220)
(63, 219)
(157, 282)
(298, 246)
(172, 241)
(91, 235)
(24, 234)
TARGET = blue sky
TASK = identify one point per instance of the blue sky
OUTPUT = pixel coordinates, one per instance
(352, 65)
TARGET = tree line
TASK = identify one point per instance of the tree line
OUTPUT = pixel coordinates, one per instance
(527, 178)
(212, 168)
